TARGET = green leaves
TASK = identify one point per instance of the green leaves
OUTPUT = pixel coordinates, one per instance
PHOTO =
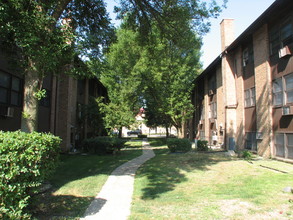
(26, 160)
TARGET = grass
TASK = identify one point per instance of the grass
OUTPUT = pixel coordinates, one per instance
(77, 181)
(210, 186)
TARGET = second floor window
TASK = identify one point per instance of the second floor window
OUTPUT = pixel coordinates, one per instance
(281, 36)
(202, 113)
(283, 90)
(213, 110)
(249, 97)
(289, 88)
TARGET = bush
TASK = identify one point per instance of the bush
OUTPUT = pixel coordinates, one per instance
(26, 160)
(202, 145)
(247, 155)
(142, 136)
(103, 145)
(178, 145)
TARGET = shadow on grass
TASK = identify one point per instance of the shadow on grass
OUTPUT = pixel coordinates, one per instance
(49, 206)
(73, 168)
(78, 167)
(166, 171)
(157, 142)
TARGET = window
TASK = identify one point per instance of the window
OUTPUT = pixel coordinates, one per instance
(213, 110)
(279, 145)
(289, 88)
(290, 146)
(281, 36)
(286, 33)
(202, 114)
(212, 83)
(247, 55)
(278, 92)
(284, 145)
(249, 96)
(250, 141)
(283, 90)
(10, 89)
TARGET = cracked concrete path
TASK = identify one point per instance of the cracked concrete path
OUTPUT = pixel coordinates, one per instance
(114, 200)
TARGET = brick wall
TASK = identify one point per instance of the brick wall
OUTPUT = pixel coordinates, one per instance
(262, 89)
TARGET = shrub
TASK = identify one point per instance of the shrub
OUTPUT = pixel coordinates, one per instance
(178, 145)
(247, 155)
(103, 145)
(142, 136)
(26, 160)
(202, 145)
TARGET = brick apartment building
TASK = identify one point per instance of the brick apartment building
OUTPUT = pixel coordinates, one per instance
(244, 98)
(59, 113)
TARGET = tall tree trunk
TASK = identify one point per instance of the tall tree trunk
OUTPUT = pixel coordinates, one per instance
(179, 132)
(29, 120)
(120, 132)
(167, 130)
(182, 131)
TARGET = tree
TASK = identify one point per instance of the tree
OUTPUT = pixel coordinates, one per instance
(58, 30)
(169, 81)
(158, 75)
(49, 34)
(122, 81)
(169, 54)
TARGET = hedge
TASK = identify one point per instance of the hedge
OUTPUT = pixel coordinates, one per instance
(103, 145)
(178, 145)
(202, 145)
(26, 160)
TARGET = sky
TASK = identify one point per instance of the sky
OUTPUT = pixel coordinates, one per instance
(244, 13)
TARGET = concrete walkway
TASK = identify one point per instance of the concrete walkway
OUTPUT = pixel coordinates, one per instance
(114, 200)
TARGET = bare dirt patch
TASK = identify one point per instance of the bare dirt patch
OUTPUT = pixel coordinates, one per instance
(237, 209)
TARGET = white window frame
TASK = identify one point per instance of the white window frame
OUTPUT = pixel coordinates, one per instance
(284, 91)
(288, 90)
(249, 97)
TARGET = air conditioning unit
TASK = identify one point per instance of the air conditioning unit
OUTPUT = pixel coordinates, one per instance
(287, 110)
(285, 51)
(211, 92)
(200, 122)
(6, 111)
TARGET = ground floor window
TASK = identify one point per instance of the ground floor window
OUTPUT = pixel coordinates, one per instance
(250, 141)
(10, 89)
(284, 145)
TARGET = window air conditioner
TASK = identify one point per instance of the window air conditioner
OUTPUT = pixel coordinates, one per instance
(285, 51)
(6, 111)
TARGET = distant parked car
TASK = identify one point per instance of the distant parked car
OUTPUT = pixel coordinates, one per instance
(137, 132)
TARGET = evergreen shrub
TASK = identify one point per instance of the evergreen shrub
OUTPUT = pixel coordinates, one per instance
(178, 145)
(103, 145)
(26, 160)
(202, 145)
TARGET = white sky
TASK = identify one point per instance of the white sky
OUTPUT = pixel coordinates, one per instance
(245, 12)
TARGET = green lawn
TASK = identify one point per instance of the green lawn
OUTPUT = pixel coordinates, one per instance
(174, 186)
(211, 186)
(77, 181)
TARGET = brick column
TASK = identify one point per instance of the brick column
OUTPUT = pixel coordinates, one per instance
(227, 33)
(262, 89)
